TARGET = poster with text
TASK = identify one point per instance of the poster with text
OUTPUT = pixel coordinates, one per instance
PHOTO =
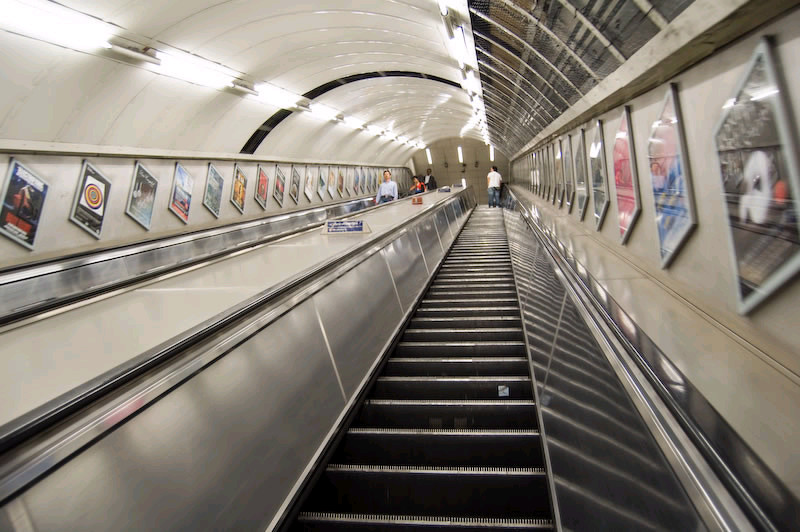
(262, 186)
(332, 181)
(670, 179)
(760, 185)
(24, 193)
(357, 184)
(599, 176)
(180, 201)
(581, 188)
(340, 182)
(280, 186)
(350, 180)
(626, 179)
(238, 188)
(142, 197)
(91, 198)
(212, 199)
(321, 184)
(312, 172)
(294, 188)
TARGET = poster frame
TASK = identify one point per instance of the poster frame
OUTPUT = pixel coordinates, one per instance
(600, 217)
(569, 174)
(295, 182)
(279, 178)
(626, 119)
(260, 169)
(672, 95)
(332, 181)
(237, 171)
(787, 135)
(581, 152)
(308, 186)
(136, 166)
(12, 164)
(321, 179)
(340, 181)
(73, 213)
(172, 206)
(213, 168)
(558, 159)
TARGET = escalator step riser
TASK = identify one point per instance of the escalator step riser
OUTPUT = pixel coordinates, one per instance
(466, 495)
(455, 367)
(456, 450)
(341, 523)
(498, 389)
(468, 349)
(473, 287)
(448, 416)
(465, 323)
(462, 335)
(449, 311)
(455, 292)
(480, 304)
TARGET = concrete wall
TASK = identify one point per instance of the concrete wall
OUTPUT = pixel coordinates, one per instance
(476, 164)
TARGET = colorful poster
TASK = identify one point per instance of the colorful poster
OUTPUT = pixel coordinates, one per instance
(239, 188)
(597, 165)
(212, 199)
(357, 184)
(294, 189)
(142, 197)
(91, 197)
(350, 180)
(670, 179)
(759, 169)
(181, 198)
(262, 187)
(581, 189)
(321, 185)
(23, 202)
(340, 182)
(332, 181)
(559, 173)
(280, 185)
(569, 181)
(626, 179)
(312, 172)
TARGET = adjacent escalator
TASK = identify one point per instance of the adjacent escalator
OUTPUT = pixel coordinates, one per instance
(447, 438)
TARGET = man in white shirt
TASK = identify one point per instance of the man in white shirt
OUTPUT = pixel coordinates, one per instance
(388, 189)
(493, 182)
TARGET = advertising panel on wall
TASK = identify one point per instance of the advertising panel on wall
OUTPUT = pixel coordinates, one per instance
(321, 184)
(213, 196)
(24, 194)
(357, 183)
(760, 180)
(626, 177)
(238, 188)
(340, 182)
(180, 200)
(670, 179)
(89, 204)
(294, 188)
(569, 181)
(350, 179)
(559, 173)
(262, 187)
(280, 186)
(597, 165)
(332, 181)
(312, 172)
(142, 196)
(581, 188)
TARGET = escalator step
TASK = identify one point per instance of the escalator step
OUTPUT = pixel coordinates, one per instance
(467, 311)
(447, 414)
(466, 334)
(461, 348)
(480, 302)
(511, 387)
(319, 521)
(467, 322)
(456, 366)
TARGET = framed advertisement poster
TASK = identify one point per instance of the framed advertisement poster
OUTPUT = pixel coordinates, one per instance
(551, 162)
(559, 173)
(569, 180)
(332, 181)
(312, 172)
(212, 198)
(670, 179)
(350, 180)
(142, 196)
(626, 178)
(760, 173)
(180, 200)
(321, 185)
(238, 188)
(280, 185)
(262, 187)
(357, 182)
(24, 193)
(597, 166)
(340, 182)
(89, 205)
(294, 188)
(581, 188)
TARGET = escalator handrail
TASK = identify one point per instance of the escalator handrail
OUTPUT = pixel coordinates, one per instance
(24, 429)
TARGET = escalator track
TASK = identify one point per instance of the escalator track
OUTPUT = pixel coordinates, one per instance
(447, 438)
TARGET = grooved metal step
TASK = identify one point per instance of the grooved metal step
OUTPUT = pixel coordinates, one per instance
(392, 523)
(456, 366)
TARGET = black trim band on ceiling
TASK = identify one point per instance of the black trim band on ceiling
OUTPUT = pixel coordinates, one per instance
(272, 122)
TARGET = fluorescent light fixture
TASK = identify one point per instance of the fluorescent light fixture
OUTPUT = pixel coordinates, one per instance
(135, 54)
(375, 130)
(458, 46)
(402, 139)
(353, 122)
(193, 69)
(594, 151)
(460, 155)
(764, 93)
(730, 103)
(324, 111)
(491, 153)
(273, 95)
(443, 8)
(428, 154)
(53, 23)
(472, 83)
(242, 86)
(558, 155)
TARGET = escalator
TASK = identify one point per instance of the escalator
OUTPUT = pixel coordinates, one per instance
(447, 438)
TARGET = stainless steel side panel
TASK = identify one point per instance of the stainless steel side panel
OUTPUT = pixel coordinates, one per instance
(220, 452)
(431, 245)
(408, 270)
(359, 312)
(443, 226)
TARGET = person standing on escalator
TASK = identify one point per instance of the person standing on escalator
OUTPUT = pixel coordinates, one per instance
(388, 189)
(494, 181)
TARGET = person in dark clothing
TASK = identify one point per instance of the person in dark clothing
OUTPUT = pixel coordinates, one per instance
(430, 181)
